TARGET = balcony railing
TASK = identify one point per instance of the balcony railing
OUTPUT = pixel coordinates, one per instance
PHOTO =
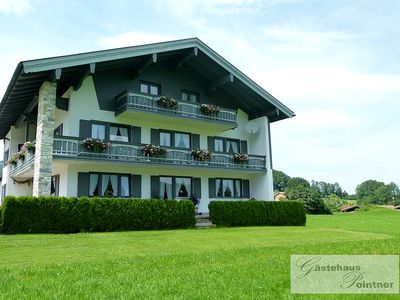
(133, 101)
(23, 166)
(69, 147)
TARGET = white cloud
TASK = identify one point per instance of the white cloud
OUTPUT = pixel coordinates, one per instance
(18, 7)
(133, 38)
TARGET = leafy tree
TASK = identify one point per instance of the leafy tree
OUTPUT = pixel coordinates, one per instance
(333, 202)
(312, 201)
(365, 191)
(297, 181)
(280, 180)
(326, 189)
(386, 194)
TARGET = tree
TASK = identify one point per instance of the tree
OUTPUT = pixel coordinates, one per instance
(333, 202)
(280, 180)
(326, 189)
(386, 194)
(312, 200)
(365, 191)
(297, 181)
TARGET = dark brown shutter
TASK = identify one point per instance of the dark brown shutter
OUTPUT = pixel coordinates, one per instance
(85, 129)
(136, 136)
(83, 184)
(246, 189)
(195, 141)
(211, 188)
(155, 187)
(243, 146)
(210, 142)
(136, 186)
(197, 187)
(155, 136)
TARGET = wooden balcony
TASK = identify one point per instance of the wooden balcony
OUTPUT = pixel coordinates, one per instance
(141, 107)
(70, 147)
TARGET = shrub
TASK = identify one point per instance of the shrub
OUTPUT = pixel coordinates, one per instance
(311, 200)
(333, 202)
(257, 213)
(70, 215)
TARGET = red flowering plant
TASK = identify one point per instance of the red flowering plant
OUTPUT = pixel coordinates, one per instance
(209, 109)
(167, 102)
(241, 158)
(94, 145)
(201, 154)
(154, 151)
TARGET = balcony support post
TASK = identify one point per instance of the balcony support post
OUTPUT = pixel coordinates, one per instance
(44, 139)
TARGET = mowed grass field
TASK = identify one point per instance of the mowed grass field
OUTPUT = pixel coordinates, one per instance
(218, 263)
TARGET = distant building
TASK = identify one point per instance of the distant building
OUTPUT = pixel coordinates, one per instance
(279, 196)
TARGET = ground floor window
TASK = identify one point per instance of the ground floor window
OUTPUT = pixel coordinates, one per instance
(109, 185)
(55, 183)
(228, 188)
(175, 187)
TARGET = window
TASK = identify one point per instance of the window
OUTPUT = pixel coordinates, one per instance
(182, 140)
(228, 188)
(183, 187)
(54, 188)
(175, 139)
(6, 155)
(232, 146)
(109, 185)
(3, 191)
(219, 145)
(98, 132)
(165, 139)
(226, 145)
(119, 133)
(59, 130)
(175, 187)
(190, 96)
(150, 88)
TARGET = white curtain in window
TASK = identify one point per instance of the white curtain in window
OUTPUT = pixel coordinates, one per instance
(119, 134)
(105, 183)
(238, 188)
(219, 188)
(183, 187)
(228, 188)
(165, 139)
(218, 145)
(98, 131)
(165, 188)
(182, 140)
(232, 146)
(125, 186)
(93, 185)
(114, 182)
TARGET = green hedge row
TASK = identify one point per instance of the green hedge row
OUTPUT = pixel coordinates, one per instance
(257, 213)
(69, 215)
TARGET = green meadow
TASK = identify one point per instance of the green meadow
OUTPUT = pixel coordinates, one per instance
(237, 263)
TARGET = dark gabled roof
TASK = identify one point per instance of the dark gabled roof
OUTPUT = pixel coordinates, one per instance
(29, 75)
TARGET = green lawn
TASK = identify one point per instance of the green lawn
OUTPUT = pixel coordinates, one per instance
(188, 264)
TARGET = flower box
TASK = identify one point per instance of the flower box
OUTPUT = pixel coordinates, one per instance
(167, 102)
(93, 145)
(201, 155)
(154, 151)
(209, 109)
(240, 158)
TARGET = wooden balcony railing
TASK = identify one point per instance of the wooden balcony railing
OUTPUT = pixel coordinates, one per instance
(72, 147)
(132, 101)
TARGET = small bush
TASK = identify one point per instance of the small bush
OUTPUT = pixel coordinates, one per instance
(311, 200)
(257, 213)
(70, 215)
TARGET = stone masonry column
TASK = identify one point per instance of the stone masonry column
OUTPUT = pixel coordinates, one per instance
(44, 139)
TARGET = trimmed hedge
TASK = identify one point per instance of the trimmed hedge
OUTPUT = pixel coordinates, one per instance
(257, 213)
(70, 215)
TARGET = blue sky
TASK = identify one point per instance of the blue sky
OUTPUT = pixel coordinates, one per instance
(335, 63)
